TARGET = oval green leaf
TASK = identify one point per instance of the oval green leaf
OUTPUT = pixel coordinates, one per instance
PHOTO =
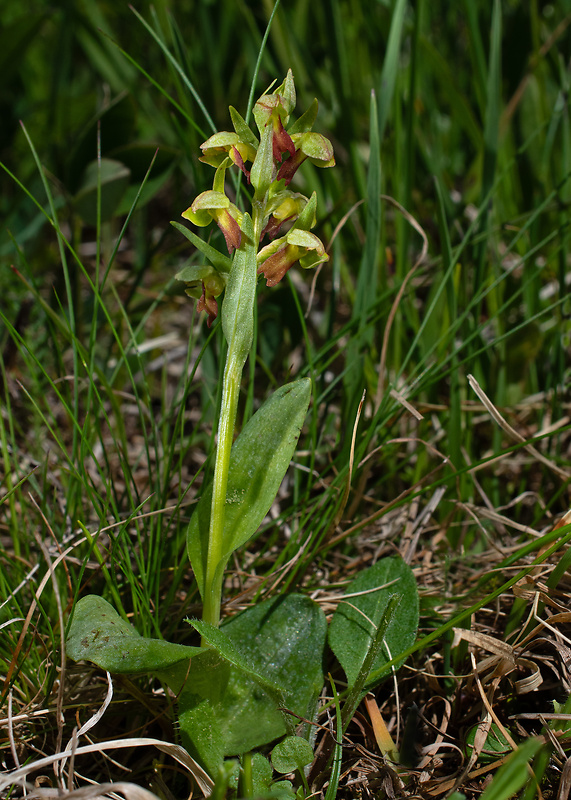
(282, 639)
(292, 753)
(355, 621)
(100, 635)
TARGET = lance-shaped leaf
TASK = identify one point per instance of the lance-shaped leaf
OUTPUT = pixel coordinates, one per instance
(263, 169)
(260, 457)
(218, 260)
(305, 122)
(242, 128)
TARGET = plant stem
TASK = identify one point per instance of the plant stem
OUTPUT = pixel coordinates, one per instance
(214, 565)
(237, 324)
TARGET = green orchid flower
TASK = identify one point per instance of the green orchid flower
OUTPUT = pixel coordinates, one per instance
(284, 207)
(213, 205)
(277, 258)
(275, 109)
(308, 146)
(275, 158)
(226, 144)
(205, 284)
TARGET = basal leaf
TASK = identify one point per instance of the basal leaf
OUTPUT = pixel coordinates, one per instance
(260, 457)
(283, 639)
(495, 746)
(354, 623)
(100, 635)
(231, 651)
(278, 643)
(262, 775)
(201, 732)
(292, 753)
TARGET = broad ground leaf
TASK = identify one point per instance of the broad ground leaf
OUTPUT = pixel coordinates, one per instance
(495, 745)
(198, 709)
(262, 783)
(264, 788)
(283, 639)
(260, 457)
(355, 621)
(292, 753)
(100, 635)
(227, 649)
(201, 732)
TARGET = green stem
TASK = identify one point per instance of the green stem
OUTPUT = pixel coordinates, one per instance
(214, 565)
(237, 325)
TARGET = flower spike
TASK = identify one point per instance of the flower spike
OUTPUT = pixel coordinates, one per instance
(269, 163)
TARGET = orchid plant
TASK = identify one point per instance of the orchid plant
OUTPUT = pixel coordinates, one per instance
(251, 678)
(283, 217)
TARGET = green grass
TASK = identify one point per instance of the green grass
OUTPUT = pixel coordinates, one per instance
(109, 383)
